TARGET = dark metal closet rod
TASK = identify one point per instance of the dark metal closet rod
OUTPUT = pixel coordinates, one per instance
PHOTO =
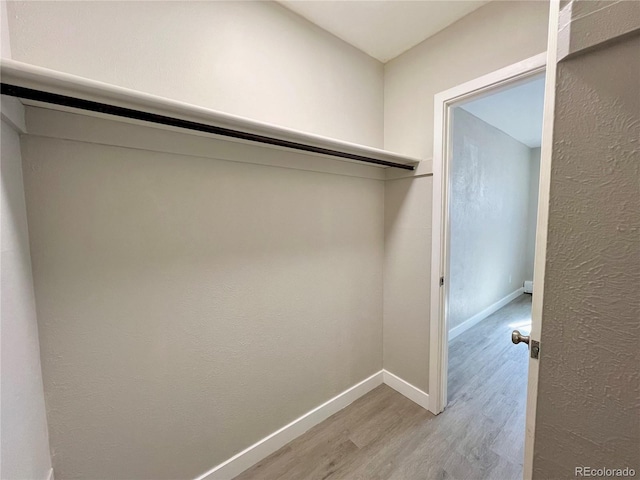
(40, 96)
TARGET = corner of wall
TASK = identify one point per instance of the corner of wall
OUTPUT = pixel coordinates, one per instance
(25, 445)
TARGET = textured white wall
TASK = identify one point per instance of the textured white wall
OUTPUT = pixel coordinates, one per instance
(189, 307)
(24, 452)
(589, 387)
(492, 37)
(254, 59)
(489, 213)
(532, 214)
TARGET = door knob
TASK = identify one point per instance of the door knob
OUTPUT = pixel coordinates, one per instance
(517, 337)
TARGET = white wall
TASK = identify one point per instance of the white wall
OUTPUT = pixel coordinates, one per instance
(254, 59)
(24, 441)
(189, 307)
(203, 304)
(489, 213)
(407, 229)
(492, 37)
(24, 452)
(532, 214)
(5, 39)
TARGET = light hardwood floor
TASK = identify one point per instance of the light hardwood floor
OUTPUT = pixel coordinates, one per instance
(383, 435)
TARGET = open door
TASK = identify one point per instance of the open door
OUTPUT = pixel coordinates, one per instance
(546, 149)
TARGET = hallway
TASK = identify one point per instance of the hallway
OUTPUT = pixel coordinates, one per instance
(383, 435)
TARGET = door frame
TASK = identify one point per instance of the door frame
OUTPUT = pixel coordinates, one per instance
(438, 340)
(443, 102)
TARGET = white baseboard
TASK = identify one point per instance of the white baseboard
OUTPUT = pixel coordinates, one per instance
(406, 389)
(265, 447)
(478, 317)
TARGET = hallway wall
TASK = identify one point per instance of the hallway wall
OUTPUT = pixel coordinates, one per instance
(489, 212)
(532, 213)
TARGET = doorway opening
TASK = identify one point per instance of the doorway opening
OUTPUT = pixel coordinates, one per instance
(494, 172)
(486, 174)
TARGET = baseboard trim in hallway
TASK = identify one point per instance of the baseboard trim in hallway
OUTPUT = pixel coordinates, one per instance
(278, 439)
(478, 317)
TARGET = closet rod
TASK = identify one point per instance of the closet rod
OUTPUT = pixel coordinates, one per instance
(64, 100)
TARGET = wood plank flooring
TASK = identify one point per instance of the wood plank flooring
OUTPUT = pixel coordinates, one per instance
(384, 436)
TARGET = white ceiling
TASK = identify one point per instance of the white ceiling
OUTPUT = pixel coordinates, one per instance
(382, 28)
(517, 111)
